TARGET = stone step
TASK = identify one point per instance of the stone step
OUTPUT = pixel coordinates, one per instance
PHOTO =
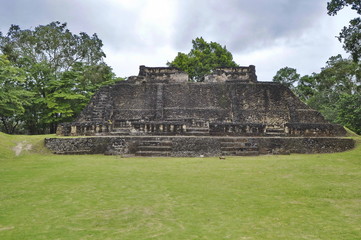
(239, 148)
(118, 133)
(153, 153)
(156, 143)
(275, 130)
(235, 140)
(198, 129)
(240, 153)
(276, 134)
(237, 144)
(121, 130)
(155, 148)
(196, 133)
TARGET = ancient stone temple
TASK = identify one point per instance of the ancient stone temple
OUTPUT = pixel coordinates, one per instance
(160, 113)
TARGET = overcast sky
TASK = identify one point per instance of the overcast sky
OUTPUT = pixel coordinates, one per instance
(270, 34)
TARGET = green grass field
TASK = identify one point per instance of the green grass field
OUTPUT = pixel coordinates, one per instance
(45, 196)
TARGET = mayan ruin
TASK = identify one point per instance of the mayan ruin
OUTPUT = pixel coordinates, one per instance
(160, 113)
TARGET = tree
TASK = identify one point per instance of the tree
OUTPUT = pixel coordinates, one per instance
(202, 58)
(56, 62)
(335, 91)
(339, 76)
(13, 98)
(71, 93)
(305, 88)
(349, 111)
(334, 6)
(287, 76)
(338, 83)
(351, 35)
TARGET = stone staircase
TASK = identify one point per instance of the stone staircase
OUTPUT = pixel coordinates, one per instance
(102, 107)
(159, 102)
(154, 148)
(239, 147)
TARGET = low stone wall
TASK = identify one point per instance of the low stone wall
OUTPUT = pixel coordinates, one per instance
(222, 74)
(214, 129)
(83, 128)
(182, 146)
(309, 129)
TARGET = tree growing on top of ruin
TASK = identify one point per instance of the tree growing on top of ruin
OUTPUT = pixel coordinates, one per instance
(287, 76)
(202, 58)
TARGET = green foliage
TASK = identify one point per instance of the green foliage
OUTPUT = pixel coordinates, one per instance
(287, 76)
(335, 91)
(202, 58)
(335, 87)
(293, 197)
(351, 38)
(306, 87)
(340, 76)
(334, 6)
(62, 69)
(349, 111)
(13, 97)
(351, 35)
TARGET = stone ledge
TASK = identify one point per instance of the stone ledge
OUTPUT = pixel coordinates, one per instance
(191, 146)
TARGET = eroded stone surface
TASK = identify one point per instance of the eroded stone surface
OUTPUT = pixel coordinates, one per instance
(183, 146)
(230, 103)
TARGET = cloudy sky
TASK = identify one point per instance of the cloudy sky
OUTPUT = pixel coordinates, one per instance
(270, 34)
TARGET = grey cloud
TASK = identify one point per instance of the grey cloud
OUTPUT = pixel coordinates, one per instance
(244, 25)
(117, 27)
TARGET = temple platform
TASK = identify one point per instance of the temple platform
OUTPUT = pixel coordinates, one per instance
(195, 146)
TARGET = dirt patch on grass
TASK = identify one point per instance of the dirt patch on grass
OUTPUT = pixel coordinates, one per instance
(22, 146)
(6, 228)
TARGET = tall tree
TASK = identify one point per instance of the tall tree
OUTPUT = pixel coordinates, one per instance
(351, 35)
(349, 111)
(56, 62)
(335, 91)
(287, 76)
(203, 57)
(13, 97)
(305, 88)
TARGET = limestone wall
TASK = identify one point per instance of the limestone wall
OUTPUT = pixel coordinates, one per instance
(159, 75)
(196, 146)
(161, 101)
(265, 103)
(244, 74)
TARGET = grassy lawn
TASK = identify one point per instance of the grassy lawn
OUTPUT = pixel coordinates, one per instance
(45, 196)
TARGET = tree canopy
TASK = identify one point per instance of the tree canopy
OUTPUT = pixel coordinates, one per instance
(13, 97)
(62, 70)
(350, 35)
(287, 76)
(335, 91)
(202, 58)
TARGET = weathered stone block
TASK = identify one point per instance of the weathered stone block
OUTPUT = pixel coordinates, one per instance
(231, 103)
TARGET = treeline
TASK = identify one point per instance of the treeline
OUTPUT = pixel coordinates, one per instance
(335, 91)
(47, 76)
